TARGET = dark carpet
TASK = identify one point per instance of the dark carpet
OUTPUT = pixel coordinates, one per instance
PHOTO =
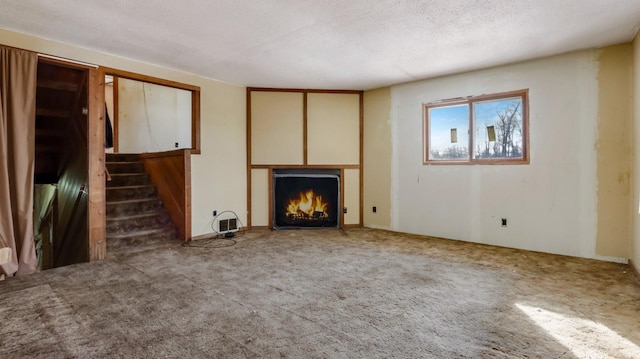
(359, 293)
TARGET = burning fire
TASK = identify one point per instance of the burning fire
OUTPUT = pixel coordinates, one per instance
(309, 205)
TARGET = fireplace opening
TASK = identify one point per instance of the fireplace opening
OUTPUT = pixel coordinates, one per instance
(305, 198)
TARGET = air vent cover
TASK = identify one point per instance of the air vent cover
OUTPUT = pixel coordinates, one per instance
(227, 225)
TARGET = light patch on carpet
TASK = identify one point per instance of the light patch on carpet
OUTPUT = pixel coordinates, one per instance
(37, 319)
(585, 338)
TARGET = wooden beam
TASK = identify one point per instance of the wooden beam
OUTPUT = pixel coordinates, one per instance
(341, 206)
(116, 110)
(271, 199)
(195, 122)
(305, 129)
(150, 79)
(361, 104)
(249, 160)
(195, 101)
(96, 217)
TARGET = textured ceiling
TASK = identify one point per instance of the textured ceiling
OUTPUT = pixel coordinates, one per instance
(328, 44)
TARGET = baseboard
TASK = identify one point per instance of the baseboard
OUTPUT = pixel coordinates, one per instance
(375, 226)
(611, 259)
(634, 268)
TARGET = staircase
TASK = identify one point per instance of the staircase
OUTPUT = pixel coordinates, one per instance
(135, 216)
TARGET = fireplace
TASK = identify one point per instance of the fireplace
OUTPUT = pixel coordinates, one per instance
(306, 198)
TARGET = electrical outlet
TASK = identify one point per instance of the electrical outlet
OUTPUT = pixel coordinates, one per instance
(176, 144)
(504, 222)
(344, 210)
(215, 213)
(374, 209)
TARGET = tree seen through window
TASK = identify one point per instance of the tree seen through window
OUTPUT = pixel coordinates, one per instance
(498, 123)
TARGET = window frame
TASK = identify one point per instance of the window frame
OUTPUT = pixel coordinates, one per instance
(470, 101)
(195, 148)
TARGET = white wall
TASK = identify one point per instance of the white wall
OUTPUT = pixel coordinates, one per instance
(550, 204)
(152, 118)
(218, 174)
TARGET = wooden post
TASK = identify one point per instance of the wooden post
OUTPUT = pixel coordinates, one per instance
(96, 215)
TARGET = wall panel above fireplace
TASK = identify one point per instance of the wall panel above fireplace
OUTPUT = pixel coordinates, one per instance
(333, 126)
(303, 129)
(277, 127)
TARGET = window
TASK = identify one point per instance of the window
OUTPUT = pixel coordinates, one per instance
(487, 129)
(155, 98)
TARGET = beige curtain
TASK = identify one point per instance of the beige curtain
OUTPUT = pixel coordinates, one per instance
(17, 146)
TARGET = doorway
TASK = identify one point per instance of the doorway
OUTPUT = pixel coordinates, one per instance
(61, 164)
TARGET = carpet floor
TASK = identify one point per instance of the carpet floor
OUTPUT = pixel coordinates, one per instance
(359, 293)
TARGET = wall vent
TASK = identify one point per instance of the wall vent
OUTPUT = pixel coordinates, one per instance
(227, 225)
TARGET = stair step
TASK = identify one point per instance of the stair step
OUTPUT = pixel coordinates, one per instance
(123, 157)
(136, 223)
(148, 237)
(130, 207)
(135, 217)
(115, 194)
(125, 167)
(128, 179)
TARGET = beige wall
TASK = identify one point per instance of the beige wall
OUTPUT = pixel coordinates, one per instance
(377, 158)
(277, 133)
(352, 196)
(260, 197)
(614, 146)
(550, 204)
(277, 122)
(219, 172)
(152, 117)
(333, 129)
(574, 197)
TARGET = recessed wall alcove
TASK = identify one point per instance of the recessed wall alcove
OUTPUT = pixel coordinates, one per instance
(304, 132)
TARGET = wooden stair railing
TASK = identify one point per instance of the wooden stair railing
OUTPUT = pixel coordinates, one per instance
(170, 171)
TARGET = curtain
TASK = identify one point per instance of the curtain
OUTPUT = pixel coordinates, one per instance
(17, 146)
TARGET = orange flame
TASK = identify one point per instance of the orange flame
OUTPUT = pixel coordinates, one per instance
(308, 205)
